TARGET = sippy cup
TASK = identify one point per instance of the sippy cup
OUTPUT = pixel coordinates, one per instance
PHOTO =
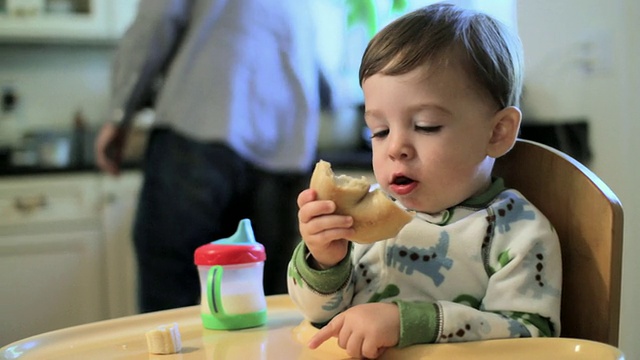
(231, 271)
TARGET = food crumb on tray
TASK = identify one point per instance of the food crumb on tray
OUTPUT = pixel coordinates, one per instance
(165, 339)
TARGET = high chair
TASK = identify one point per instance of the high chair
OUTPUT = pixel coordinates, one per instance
(584, 211)
(588, 217)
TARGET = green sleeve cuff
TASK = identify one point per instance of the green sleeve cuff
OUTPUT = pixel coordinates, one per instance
(418, 322)
(325, 281)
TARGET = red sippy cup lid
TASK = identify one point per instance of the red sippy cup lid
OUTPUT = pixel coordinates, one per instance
(239, 248)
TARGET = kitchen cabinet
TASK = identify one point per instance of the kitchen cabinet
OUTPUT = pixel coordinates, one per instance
(65, 20)
(66, 255)
(51, 263)
(49, 281)
(120, 197)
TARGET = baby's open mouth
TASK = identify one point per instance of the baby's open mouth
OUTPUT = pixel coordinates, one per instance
(402, 180)
(402, 185)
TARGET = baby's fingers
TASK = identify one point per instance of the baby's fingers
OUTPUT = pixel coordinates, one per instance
(313, 209)
(332, 329)
(306, 196)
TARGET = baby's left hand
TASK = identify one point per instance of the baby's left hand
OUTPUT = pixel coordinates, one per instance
(364, 330)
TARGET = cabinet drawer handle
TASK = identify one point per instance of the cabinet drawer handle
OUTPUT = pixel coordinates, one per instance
(30, 203)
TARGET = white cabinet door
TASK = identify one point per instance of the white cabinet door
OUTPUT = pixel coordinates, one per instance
(120, 200)
(49, 281)
(66, 254)
(52, 268)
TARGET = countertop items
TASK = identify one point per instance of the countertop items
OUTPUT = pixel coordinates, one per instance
(70, 149)
(12, 170)
(283, 337)
(341, 159)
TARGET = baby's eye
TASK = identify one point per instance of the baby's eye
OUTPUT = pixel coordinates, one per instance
(379, 134)
(429, 129)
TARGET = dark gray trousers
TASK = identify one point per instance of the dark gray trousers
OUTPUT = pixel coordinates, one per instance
(194, 193)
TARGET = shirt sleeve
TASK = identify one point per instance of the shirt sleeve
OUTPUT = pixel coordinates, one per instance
(420, 322)
(319, 294)
(144, 51)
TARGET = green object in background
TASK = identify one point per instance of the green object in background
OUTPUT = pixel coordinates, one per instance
(399, 5)
(366, 12)
(363, 11)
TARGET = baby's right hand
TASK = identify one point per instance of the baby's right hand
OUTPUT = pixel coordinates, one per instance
(323, 232)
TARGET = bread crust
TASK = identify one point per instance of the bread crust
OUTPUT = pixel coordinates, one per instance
(164, 339)
(375, 216)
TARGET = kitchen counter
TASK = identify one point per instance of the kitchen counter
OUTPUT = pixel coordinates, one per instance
(359, 159)
(48, 170)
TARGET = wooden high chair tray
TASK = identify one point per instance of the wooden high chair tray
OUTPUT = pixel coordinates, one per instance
(283, 337)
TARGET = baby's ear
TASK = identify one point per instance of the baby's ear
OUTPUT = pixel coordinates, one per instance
(506, 124)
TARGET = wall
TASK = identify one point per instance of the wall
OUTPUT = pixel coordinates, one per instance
(582, 60)
(53, 81)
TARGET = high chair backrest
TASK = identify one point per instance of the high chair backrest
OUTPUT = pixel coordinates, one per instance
(589, 220)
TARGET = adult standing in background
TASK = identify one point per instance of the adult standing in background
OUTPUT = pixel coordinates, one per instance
(234, 136)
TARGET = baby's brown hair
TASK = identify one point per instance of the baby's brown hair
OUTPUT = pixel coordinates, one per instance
(489, 51)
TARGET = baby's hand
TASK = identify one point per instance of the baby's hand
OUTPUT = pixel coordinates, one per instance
(364, 330)
(323, 232)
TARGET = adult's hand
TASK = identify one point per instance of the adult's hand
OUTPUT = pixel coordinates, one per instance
(108, 148)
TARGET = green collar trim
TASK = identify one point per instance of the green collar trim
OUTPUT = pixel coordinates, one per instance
(477, 202)
(482, 200)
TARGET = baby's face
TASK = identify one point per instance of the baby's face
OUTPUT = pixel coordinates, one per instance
(430, 136)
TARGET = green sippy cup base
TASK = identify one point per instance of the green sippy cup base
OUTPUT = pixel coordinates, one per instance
(231, 322)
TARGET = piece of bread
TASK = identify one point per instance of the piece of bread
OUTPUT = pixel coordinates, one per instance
(165, 339)
(375, 216)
